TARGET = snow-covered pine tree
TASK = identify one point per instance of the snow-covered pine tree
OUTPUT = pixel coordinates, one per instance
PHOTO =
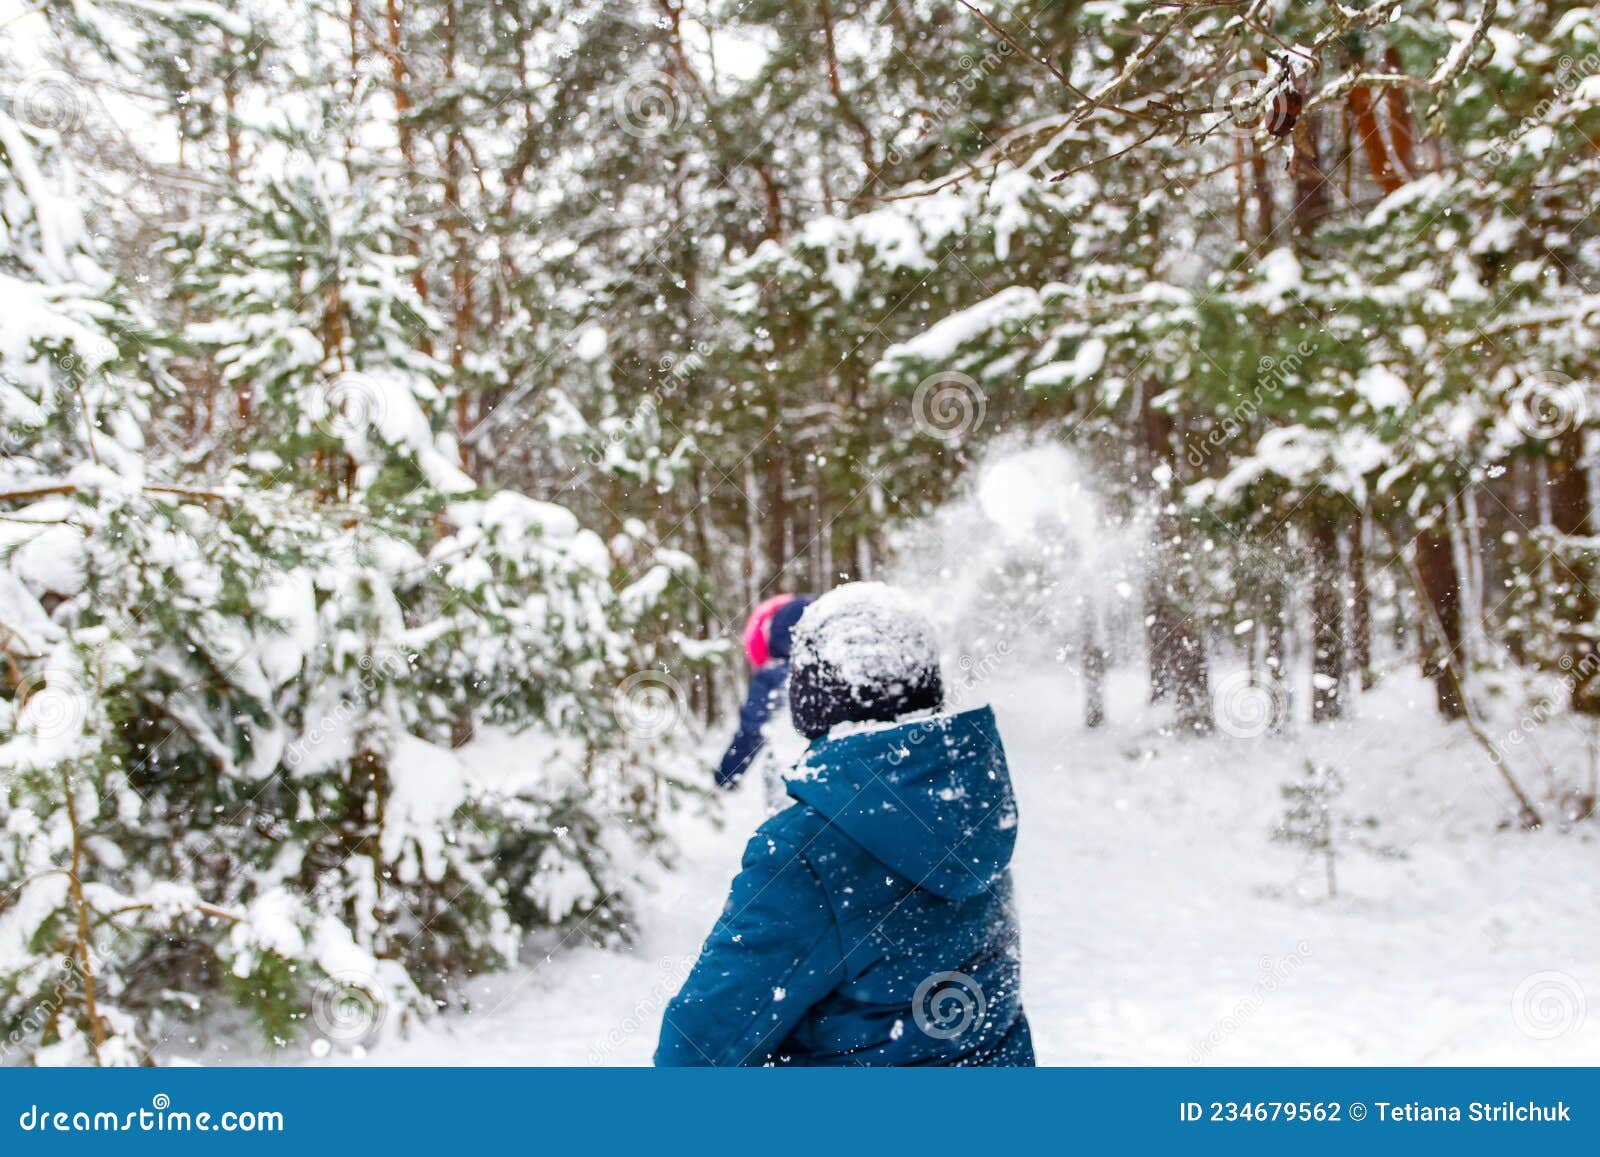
(233, 689)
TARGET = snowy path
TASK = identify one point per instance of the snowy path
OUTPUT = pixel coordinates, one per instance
(1162, 925)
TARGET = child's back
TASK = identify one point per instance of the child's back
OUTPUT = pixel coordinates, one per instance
(872, 922)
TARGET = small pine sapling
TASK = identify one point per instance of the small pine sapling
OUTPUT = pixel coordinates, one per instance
(1308, 820)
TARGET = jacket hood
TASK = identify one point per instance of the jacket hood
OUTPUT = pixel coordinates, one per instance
(780, 630)
(930, 799)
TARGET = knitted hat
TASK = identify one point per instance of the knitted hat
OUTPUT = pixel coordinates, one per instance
(861, 654)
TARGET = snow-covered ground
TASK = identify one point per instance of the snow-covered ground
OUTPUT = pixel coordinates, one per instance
(1162, 924)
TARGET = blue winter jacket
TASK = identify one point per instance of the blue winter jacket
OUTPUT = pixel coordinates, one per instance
(872, 921)
(764, 695)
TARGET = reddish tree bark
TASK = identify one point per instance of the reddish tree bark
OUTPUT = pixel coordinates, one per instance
(1436, 569)
(1261, 181)
(1378, 163)
(1402, 133)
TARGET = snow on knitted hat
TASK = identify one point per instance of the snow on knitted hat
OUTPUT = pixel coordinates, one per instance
(861, 654)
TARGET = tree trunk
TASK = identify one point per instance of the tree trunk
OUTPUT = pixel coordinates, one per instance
(462, 273)
(777, 537)
(1275, 657)
(1191, 686)
(1465, 529)
(1157, 622)
(400, 76)
(1366, 118)
(700, 527)
(1436, 568)
(1327, 621)
(1241, 198)
(230, 118)
(1402, 135)
(1177, 654)
(1360, 606)
(752, 535)
(1567, 494)
(1311, 192)
(1094, 674)
(1261, 180)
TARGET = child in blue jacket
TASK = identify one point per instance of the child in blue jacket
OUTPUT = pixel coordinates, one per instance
(872, 921)
(765, 707)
